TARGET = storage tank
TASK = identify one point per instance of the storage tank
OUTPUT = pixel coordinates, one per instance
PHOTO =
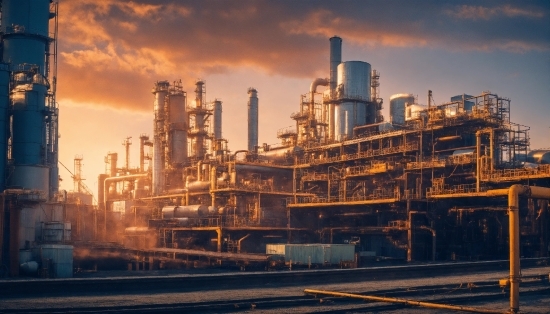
(354, 90)
(159, 91)
(189, 211)
(414, 111)
(177, 126)
(252, 118)
(397, 107)
(539, 156)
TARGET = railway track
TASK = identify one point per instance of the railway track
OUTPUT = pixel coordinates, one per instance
(273, 292)
(221, 281)
(475, 292)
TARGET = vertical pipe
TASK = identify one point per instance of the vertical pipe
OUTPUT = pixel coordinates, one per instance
(142, 139)
(478, 161)
(492, 148)
(252, 119)
(513, 214)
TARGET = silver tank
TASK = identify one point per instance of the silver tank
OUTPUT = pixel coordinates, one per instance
(540, 156)
(189, 211)
(397, 107)
(354, 87)
(177, 126)
(354, 80)
(252, 118)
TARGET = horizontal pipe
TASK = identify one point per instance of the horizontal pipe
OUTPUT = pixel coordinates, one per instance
(118, 179)
(402, 301)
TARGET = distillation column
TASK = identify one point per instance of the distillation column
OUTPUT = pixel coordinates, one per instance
(177, 126)
(217, 146)
(252, 119)
(25, 42)
(160, 91)
(198, 116)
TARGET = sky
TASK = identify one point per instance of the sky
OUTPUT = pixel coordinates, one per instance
(111, 52)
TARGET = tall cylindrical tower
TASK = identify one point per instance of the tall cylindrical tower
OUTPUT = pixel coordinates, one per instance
(4, 121)
(335, 60)
(252, 118)
(177, 125)
(217, 120)
(25, 28)
(26, 41)
(159, 138)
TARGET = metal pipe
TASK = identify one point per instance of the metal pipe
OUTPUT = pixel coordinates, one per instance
(434, 238)
(492, 148)
(402, 301)
(240, 241)
(312, 90)
(118, 179)
(478, 161)
(513, 194)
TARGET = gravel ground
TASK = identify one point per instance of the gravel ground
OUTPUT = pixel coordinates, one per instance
(535, 304)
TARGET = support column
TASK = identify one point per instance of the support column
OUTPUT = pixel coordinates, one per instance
(14, 240)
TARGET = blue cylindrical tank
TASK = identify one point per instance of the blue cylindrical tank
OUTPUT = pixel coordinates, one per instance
(28, 138)
(4, 121)
(25, 28)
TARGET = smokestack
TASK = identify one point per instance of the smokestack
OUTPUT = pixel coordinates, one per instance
(217, 119)
(252, 119)
(335, 60)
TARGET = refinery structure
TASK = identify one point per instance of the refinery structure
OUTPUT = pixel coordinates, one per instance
(417, 187)
(428, 183)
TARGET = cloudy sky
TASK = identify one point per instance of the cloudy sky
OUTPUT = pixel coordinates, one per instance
(111, 52)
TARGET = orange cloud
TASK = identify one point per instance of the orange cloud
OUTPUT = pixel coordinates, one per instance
(471, 12)
(111, 52)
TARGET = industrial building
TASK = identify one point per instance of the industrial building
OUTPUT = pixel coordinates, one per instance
(416, 186)
(424, 184)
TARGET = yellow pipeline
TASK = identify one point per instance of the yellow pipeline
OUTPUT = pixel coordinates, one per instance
(402, 301)
(513, 194)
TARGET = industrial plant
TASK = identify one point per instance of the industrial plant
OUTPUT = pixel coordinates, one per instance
(345, 186)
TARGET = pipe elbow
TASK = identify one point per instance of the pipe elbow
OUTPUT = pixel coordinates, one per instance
(318, 82)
